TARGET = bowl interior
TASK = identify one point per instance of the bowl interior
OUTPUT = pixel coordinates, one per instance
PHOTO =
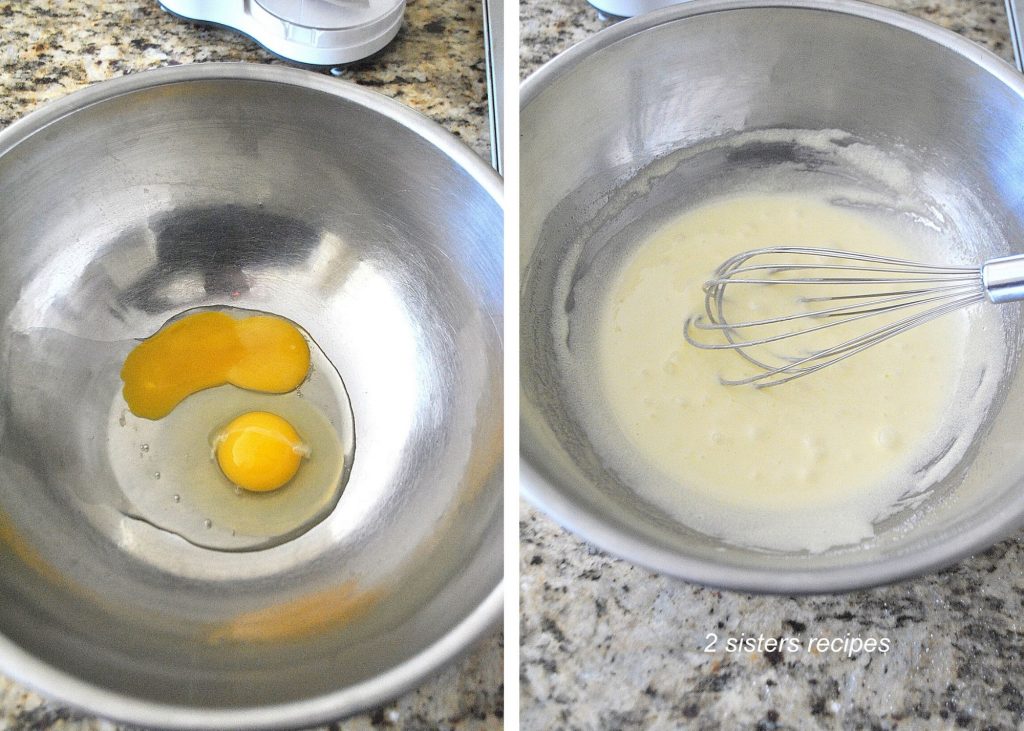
(907, 122)
(287, 193)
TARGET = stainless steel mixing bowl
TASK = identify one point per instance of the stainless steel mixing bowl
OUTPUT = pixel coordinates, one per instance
(656, 114)
(288, 192)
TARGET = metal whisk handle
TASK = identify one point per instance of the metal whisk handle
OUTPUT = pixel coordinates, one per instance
(1004, 279)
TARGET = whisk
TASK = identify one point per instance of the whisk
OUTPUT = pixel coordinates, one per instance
(881, 297)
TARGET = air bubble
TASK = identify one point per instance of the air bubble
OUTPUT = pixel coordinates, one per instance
(887, 437)
(207, 523)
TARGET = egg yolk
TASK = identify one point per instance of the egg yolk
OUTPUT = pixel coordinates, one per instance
(259, 451)
(208, 349)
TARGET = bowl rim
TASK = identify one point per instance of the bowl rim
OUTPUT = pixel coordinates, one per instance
(93, 699)
(539, 488)
(101, 91)
(87, 697)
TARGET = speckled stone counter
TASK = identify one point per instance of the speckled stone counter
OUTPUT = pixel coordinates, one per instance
(607, 645)
(435, 65)
(47, 49)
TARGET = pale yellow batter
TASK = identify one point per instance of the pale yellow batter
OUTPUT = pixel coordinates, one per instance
(805, 465)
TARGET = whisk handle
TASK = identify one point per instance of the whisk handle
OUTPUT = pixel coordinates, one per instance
(1004, 279)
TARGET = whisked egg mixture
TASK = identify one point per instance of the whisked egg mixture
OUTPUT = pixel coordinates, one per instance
(807, 465)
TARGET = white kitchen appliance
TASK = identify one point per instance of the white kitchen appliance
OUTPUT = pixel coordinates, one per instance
(315, 32)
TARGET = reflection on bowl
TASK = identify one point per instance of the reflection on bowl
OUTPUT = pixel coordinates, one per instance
(269, 189)
(661, 114)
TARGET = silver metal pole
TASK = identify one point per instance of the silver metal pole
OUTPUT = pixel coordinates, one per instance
(1013, 16)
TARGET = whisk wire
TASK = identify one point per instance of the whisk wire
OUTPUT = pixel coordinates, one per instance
(826, 253)
(881, 305)
(911, 292)
(776, 375)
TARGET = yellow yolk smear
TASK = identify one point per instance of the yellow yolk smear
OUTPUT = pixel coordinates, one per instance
(208, 349)
(300, 618)
(259, 451)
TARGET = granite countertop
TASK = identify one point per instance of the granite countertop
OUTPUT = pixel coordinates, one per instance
(435, 65)
(607, 645)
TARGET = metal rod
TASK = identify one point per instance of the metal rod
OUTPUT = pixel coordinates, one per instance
(1015, 36)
